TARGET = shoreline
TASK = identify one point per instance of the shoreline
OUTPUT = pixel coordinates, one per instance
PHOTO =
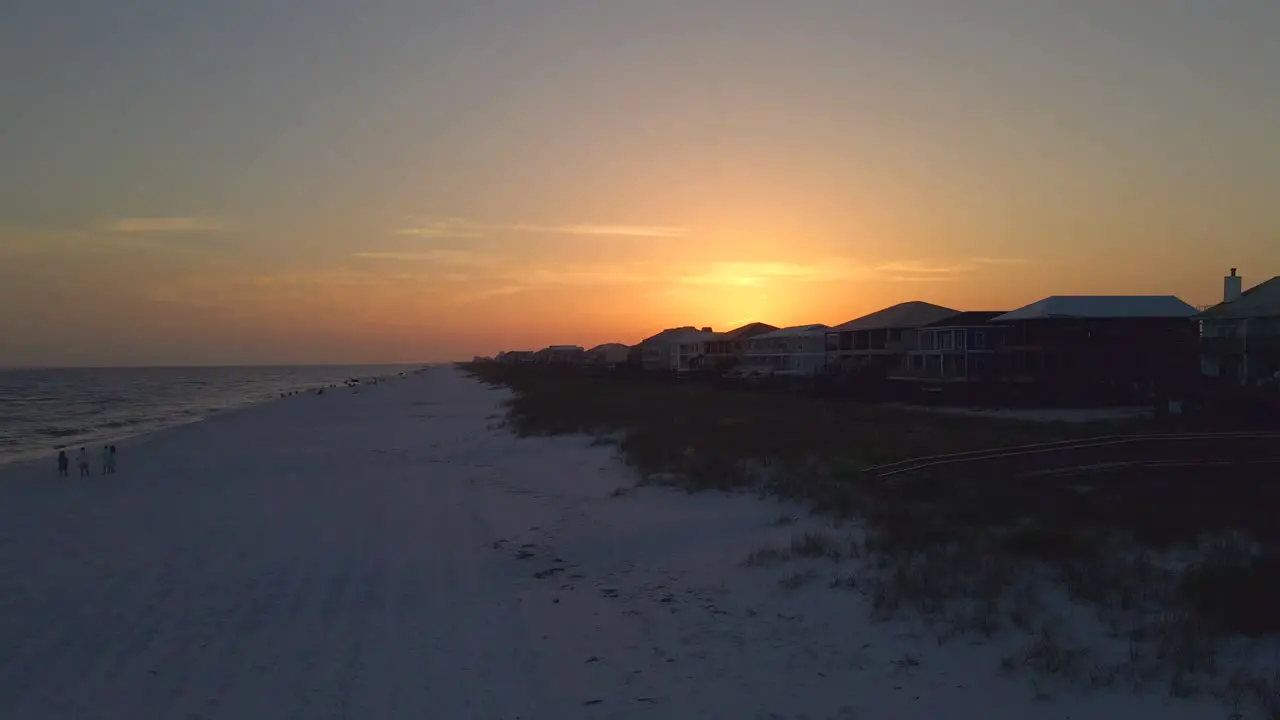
(131, 439)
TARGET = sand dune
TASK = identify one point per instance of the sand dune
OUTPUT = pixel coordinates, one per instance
(389, 554)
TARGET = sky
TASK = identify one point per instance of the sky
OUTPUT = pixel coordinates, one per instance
(261, 181)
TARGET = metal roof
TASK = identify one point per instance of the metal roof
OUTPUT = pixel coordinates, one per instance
(911, 314)
(1261, 300)
(1101, 306)
(794, 331)
(754, 329)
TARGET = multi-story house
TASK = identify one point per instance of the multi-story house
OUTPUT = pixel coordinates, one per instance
(1122, 346)
(958, 348)
(882, 339)
(727, 349)
(675, 349)
(1240, 337)
(798, 350)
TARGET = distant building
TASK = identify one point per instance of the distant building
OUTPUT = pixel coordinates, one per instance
(1240, 337)
(727, 349)
(561, 354)
(516, 357)
(1118, 345)
(609, 355)
(882, 339)
(958, 348)
(675, 349)
(797, 350)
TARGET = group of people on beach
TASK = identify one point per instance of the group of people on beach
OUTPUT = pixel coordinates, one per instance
(82, 460)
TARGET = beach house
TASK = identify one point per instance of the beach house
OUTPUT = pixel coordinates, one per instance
(882, 339)
(675, 349)
(560, 354)
(958, 348)
(1121, 346)
(516, 357)
(726, 349)
(797, 350)
(609, 355)
(1240, 336)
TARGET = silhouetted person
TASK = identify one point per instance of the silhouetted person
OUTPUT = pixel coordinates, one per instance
(63, 463)
(111, 459)
(106, 460)
(82, 459)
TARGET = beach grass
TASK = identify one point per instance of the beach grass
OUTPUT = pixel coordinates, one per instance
(1171, 560)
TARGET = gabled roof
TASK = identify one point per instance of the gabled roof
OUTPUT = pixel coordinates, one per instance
(662, 336)
(911, 314)
(1101, 306)
(754, 329)
(793, 331)
(685, 334)
(609, 346)
(970, 318)
(1261, 300)
(574, 348)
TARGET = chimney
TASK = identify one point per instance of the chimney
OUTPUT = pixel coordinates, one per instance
(1231, 286)
(706, 329)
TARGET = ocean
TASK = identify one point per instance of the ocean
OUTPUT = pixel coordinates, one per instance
(43, 410)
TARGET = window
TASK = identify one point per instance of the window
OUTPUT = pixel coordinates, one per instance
(895, 335)
(961, 337)
(979, 339)
(948, 340)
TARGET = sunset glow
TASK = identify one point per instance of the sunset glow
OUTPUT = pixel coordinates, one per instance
(435, 182)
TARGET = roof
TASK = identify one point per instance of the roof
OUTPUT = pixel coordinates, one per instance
(754, 329)
(577, 348)
(687, 333)
(1261, 300)
(793, 331)
(609, 346)
(969, 318)
(903, 315)
(1101, 306)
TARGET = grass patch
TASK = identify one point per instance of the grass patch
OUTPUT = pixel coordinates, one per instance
(798, 580)
(967, 545)
(816, 544)
(764, 557)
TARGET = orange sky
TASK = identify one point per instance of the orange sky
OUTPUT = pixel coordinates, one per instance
(428, 183)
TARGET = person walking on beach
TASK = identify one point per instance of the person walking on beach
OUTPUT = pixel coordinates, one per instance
(63, 463)
(82, 459)
(111, 459)
(106, 460)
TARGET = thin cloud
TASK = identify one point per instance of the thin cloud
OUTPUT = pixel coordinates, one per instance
(165, 225)
(920, 278)
(919, 266)
(462, 228)
(999, 261)
(667, 231)
(438, 256)
(450, 228)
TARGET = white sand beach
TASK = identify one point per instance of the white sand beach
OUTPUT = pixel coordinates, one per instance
(392, 553)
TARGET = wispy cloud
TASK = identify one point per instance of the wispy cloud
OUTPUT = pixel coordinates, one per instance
(999, 261)
(498, 275)
(462, 228)
(448, 228)
(436, 256)
(165, 225)
(667, 231)
(920, 267)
